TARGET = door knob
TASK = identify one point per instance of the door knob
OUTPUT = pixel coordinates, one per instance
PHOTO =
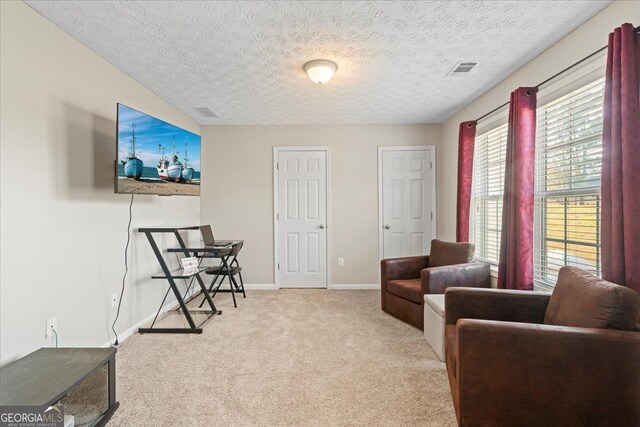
(321, 226)
(386, 227)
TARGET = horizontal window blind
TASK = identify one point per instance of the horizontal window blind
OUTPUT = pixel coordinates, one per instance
(488, 183)
(568, 170)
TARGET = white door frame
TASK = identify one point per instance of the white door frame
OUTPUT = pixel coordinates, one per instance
(276, 244)
(381, 151)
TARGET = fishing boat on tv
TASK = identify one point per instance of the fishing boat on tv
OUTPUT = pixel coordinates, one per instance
(132, 165)
(163, 164)
(175, 169)
(187, 172)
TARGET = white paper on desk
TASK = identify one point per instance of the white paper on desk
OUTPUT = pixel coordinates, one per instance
(190, 262)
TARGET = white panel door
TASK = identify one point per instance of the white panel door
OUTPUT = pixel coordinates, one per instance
(407, 212)
(302, 219)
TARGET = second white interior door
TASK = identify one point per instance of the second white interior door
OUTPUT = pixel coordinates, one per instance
(407, 210)
(302, 219)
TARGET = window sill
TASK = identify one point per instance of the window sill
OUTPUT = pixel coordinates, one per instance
(542, 287)
(538, 287)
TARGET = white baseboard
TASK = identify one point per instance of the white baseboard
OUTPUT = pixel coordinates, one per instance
(360, 286)
(254, 287)
(260, 287)
(133, 329)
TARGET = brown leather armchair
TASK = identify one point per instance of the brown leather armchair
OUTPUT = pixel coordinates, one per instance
(405, 281)
(571, 358)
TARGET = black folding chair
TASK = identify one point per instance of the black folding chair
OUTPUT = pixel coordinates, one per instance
(221, 271)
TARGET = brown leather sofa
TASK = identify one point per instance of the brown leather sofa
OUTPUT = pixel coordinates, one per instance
(405, 281)
(519, 358)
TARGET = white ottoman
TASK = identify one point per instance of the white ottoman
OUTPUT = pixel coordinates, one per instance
(434, 323)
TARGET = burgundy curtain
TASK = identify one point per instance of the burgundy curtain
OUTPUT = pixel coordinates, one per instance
(515, 269)
(620, 228)
(466, 140)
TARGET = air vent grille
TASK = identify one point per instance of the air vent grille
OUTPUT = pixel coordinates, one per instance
(205, 112)
(462, 68)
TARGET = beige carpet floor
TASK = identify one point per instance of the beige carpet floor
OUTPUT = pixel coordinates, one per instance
(286, 358)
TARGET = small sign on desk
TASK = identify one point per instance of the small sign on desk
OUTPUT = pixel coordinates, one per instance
(190, 265)
(190, 262)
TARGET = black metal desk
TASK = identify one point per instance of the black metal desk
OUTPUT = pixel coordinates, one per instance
(172, 276)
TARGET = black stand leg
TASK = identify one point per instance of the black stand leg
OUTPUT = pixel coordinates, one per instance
(212, 287)
(113, 402)
(215, 290)
(111, 366)
(232, 282)
(242, 284)
(213, 282)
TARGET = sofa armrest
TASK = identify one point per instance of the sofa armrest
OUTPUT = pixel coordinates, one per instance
(436, 279)
(511, 373)
(495, 304)
(401, 268)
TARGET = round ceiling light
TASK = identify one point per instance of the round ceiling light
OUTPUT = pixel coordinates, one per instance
(320, 70)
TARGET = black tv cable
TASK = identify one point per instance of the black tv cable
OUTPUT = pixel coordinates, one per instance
(126, 270)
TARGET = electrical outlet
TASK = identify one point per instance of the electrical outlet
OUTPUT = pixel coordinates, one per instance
(340, 262)
(52, 323)
(114, 300)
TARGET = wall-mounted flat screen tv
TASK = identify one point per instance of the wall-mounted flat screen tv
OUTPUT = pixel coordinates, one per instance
(155, 157)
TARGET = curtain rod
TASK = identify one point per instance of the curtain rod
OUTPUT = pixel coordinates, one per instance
(636, 30)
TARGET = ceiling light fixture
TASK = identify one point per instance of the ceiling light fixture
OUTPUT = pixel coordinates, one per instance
(320, 70)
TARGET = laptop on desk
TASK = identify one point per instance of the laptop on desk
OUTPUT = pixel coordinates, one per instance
(209, 240)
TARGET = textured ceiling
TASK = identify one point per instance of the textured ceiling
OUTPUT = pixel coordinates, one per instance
(244, 59)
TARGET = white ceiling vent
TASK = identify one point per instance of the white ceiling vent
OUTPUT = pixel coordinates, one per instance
(205, 112)
(462, 68)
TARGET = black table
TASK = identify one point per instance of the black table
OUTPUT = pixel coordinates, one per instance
(172, 275)
(50, 375)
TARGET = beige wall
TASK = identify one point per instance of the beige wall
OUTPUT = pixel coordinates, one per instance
(585, 40)
(237, 192)
(63, 229)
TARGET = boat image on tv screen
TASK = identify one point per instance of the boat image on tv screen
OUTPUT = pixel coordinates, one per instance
(155, 157)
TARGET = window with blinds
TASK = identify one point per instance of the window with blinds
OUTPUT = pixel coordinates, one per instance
(568, 169)
(488, 183)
